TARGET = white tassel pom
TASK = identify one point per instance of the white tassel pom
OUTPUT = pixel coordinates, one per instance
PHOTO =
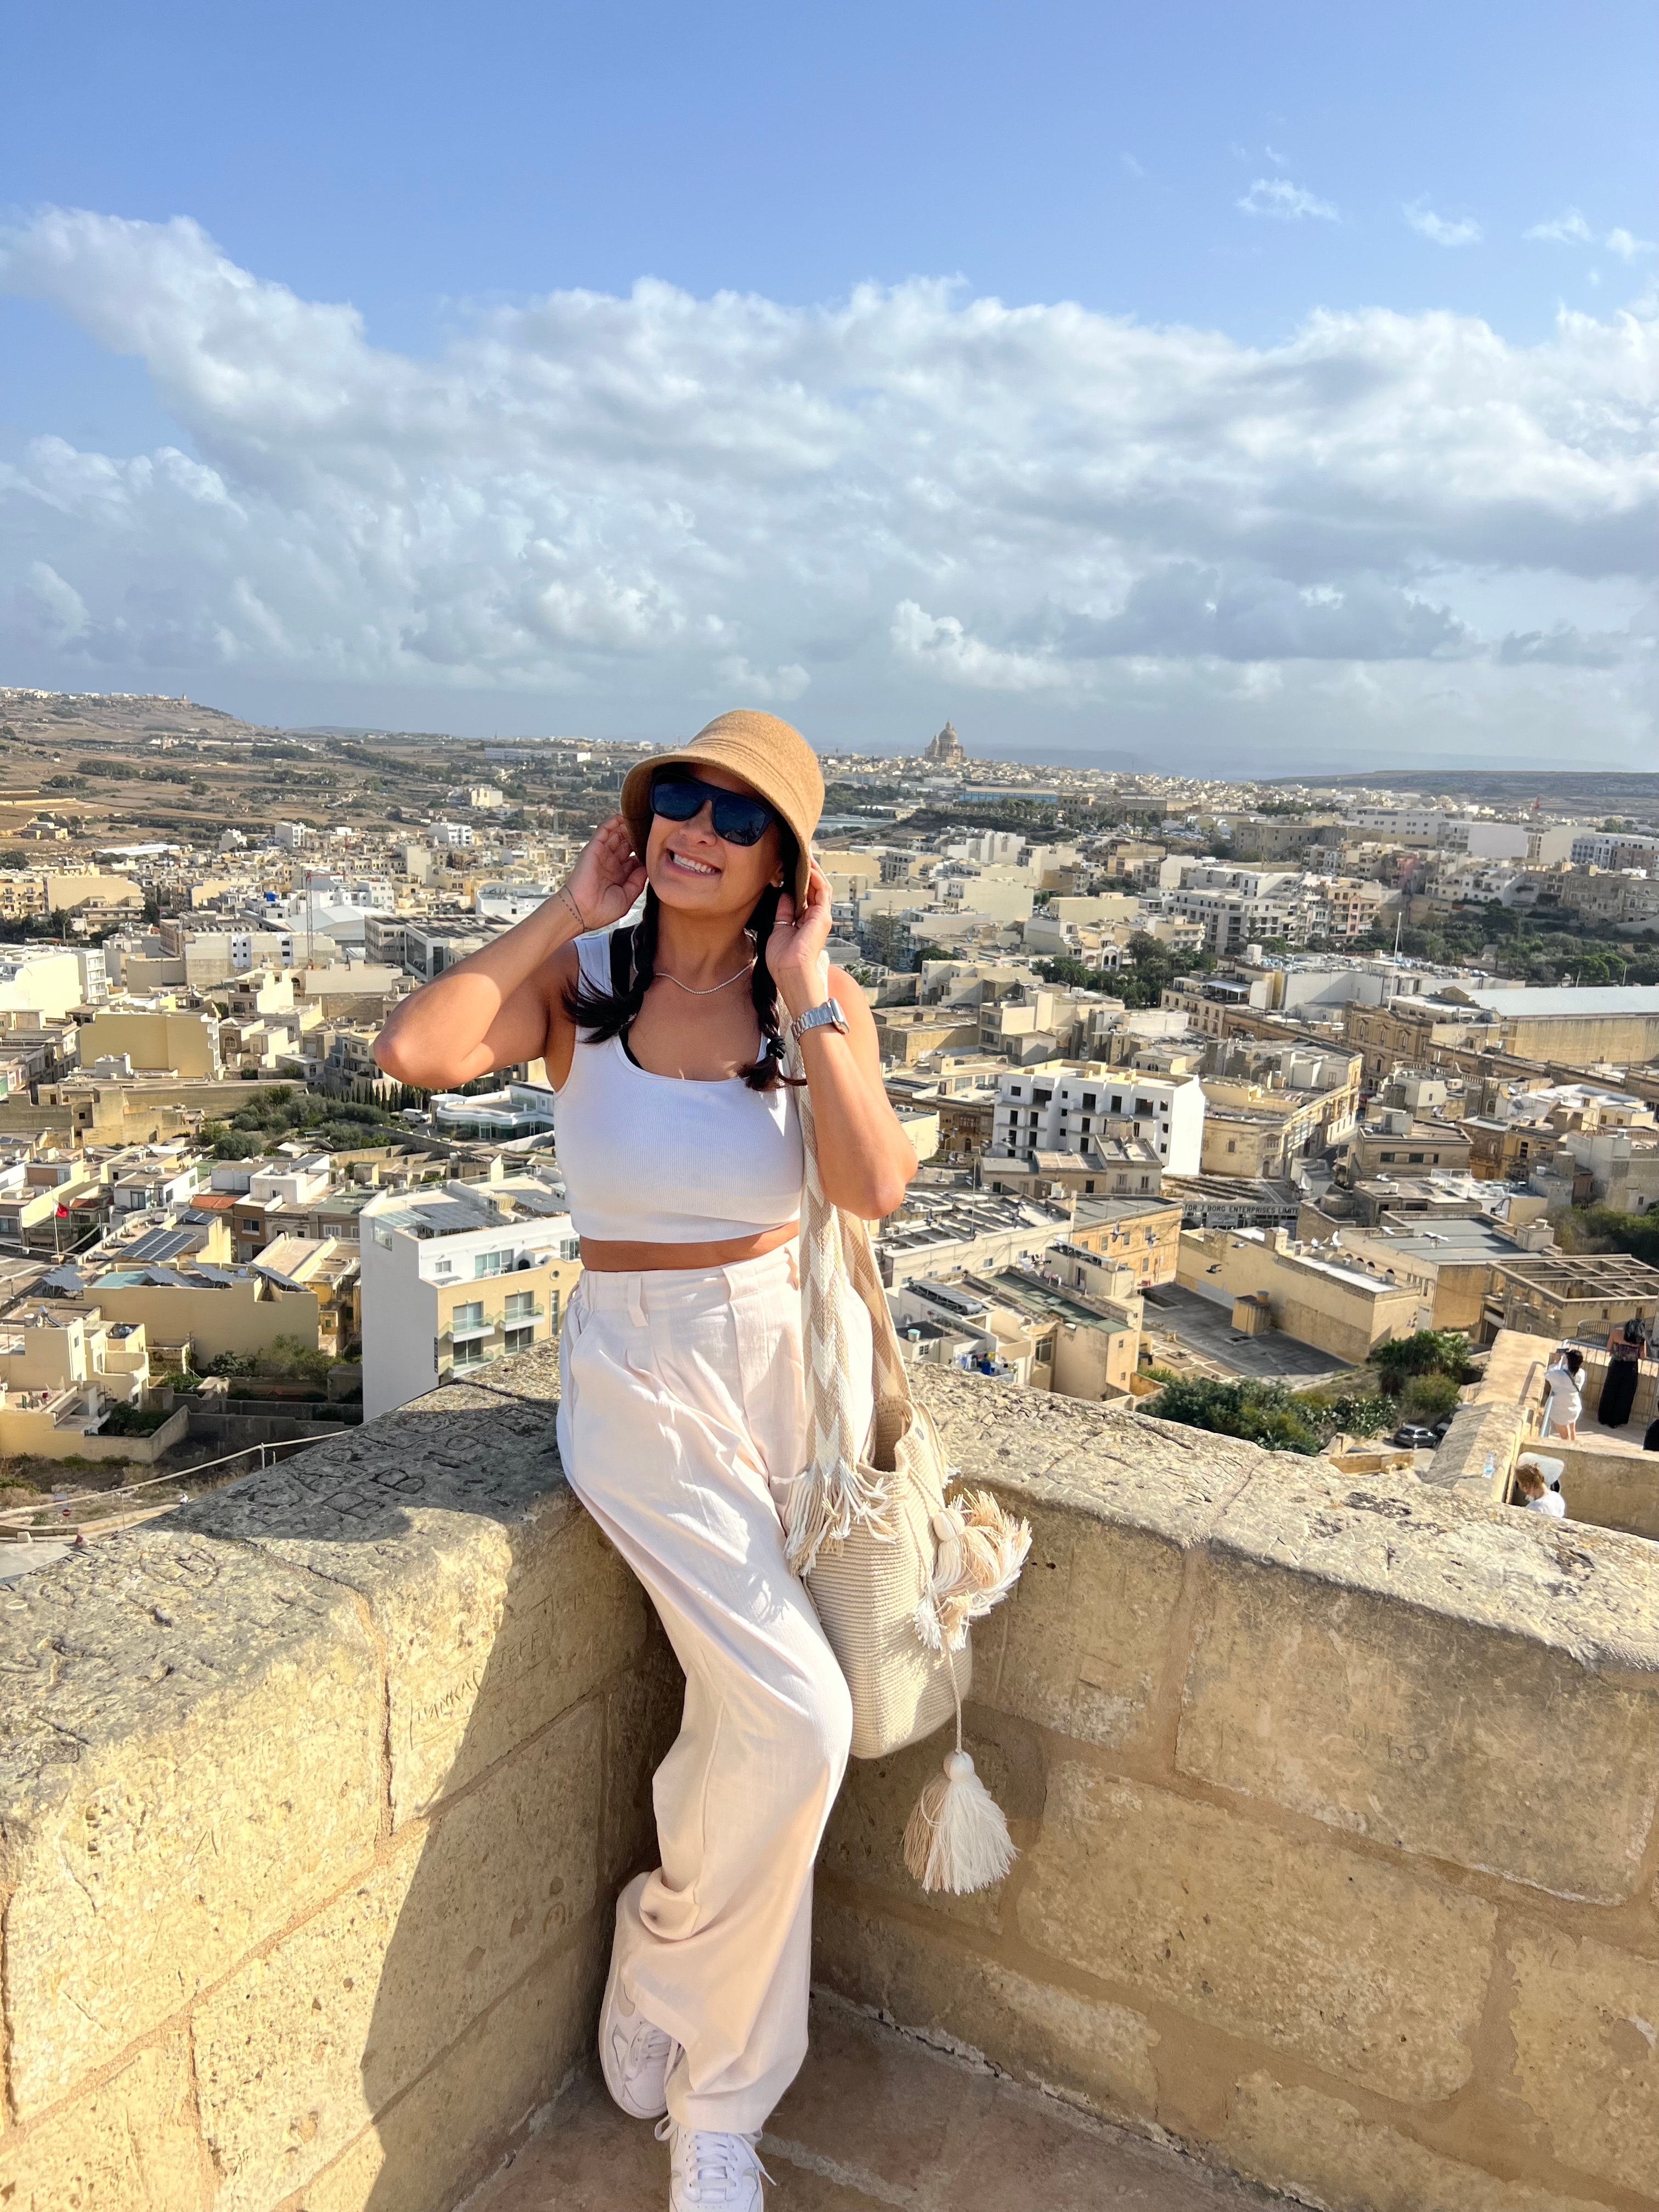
(980, 1551)
(957, 1839)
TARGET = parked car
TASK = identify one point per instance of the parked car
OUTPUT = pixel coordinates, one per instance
(1440, 1429)
(1412, 1438)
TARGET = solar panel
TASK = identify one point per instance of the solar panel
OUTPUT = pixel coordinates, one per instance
(158, 1244)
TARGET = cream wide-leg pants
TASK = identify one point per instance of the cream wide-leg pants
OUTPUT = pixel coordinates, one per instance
(681, 1426)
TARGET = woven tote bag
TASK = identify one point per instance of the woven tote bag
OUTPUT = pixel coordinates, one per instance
(895, 1568)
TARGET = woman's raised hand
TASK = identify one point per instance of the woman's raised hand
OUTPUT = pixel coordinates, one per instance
(794, 951)
(609, 875)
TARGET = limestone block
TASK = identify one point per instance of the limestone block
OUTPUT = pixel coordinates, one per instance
(1430, 1734)
(1087, 1627)
(496, 1598)
(1325, 2150)
(445, 2133)
(863, 1842)
(1075, 2046)
(1357, 1967)
(1585, 2022)
(193, 1758)
(302, 2046)
(1459, 1680)
(128, 2145)
(1123, 1468)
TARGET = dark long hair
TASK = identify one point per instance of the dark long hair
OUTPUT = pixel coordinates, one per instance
(605, 1014)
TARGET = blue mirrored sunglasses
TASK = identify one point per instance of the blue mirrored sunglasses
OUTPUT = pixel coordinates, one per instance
(738, 819)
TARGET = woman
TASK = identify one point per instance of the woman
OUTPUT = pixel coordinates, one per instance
(1564, 1397)
(1625, 1346)
(682, 1414)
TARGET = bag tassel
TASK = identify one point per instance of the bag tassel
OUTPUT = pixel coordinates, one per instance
(957, 1839)
(981, 1552)
(822, 1507)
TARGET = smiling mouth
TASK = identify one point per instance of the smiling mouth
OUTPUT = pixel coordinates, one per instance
(691, 867)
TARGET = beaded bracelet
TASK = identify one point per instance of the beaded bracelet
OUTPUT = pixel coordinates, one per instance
(567, 894)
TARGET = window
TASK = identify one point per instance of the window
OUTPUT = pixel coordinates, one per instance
(1117, 1102)
(521, 1305)
(1415, 1159)
(1146, 1184)
(489, 1263)
(468, 1320)
(519, 1339)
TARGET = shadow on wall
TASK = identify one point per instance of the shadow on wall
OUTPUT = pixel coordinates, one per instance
(434, 2001)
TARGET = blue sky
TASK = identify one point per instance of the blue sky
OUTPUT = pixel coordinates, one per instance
(1315, 419)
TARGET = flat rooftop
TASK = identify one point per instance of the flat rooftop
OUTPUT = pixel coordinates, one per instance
(1450, 1238)
(1533, 1001)
(1586, 1275)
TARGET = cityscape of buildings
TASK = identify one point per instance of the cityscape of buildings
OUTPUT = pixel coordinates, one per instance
(1185, 1104)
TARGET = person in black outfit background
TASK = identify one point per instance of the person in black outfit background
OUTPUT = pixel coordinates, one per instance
(1625, 1346)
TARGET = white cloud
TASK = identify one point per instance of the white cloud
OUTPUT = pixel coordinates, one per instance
(909, 496)
(1572, 230)
(1463, 231)
(1288, 203)
(1568, 229)
(1131, 167)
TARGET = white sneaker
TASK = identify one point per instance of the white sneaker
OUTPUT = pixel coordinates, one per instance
(635, 2057)
(711, 2168)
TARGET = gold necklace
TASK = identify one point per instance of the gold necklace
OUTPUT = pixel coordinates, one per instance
(711, 988)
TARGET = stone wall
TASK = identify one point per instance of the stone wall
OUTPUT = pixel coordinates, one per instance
(1608, 1485)
(1335, 1798)
(314, 1798)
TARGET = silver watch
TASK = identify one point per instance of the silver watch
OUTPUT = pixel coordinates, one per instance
(828, 1015)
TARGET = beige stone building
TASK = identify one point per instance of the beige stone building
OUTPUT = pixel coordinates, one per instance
(1342, 1310)
(1392, 1142)
(164, 1040)
(1563, 1295)
(1141, 1234)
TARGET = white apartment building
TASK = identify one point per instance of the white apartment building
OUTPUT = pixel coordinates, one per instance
(1613, 849)
(40, 979)
(1487, 841)
(1236, 907)
(456, 1276)
(293, 836)
(510, 902)
(1066, 1110)
(453, 836)
(1409, 824)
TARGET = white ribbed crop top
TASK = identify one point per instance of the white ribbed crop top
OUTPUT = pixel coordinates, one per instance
(663, 1159)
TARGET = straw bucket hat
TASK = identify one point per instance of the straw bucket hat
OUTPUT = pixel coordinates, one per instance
(765, 752)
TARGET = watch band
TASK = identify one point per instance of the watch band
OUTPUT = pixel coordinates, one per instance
(828, 1015)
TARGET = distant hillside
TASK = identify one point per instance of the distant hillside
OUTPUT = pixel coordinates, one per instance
(1562, 791)
(37, 715)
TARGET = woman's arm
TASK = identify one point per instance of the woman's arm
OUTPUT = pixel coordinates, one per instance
(495, 1008)
(865, 1157)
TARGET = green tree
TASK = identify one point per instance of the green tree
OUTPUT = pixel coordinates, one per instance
(1263, 1412)
(1430, 1352)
